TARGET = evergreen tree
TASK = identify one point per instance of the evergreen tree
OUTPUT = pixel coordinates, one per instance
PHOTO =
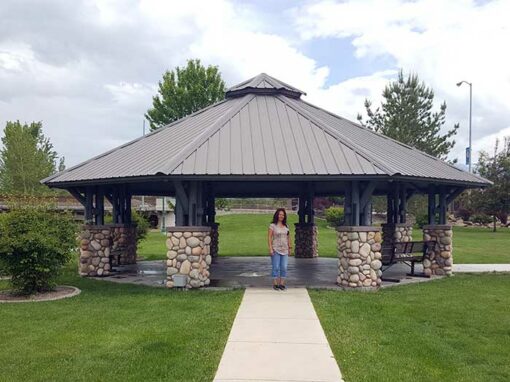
(27, 156)
(184, 91)
(495, 200)
(406, 115)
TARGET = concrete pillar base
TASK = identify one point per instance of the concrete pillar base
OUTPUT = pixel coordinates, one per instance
(359, 254)
(188, 256)
(440, 261)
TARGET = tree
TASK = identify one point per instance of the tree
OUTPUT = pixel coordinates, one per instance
(495, 200)
(406, 115)
(27, 156)
(184, 91)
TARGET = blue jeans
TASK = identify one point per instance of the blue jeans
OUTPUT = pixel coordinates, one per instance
(279, 265)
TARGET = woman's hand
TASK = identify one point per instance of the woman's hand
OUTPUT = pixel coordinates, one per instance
(271, 251)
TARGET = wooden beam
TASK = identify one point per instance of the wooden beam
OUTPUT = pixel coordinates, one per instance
(451, 197)
(181, 194)
(78, 196)
(367, 195)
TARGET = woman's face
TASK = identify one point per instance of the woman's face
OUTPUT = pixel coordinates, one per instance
(281, 216)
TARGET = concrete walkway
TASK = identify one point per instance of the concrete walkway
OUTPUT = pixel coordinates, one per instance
(277, 336)
(479, 268)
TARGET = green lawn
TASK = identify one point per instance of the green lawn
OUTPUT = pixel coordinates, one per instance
(246, 235)
(481, 245)
(113, 332)
(455, 329)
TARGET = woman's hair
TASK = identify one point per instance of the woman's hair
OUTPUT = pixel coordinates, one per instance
(275, 216)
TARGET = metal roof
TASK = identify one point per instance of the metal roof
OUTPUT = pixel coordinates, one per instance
(263, 128)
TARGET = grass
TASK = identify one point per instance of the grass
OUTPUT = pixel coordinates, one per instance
(246, 235)
(455, 329)
(481, 245)
(118, 333)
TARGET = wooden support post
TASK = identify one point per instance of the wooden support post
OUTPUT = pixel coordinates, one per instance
(348, 205)
(99, 210)
(396, 203)
(128, 219)
(309, 204)
(442, 205)
(432, 205)
(355, 203)
(115, 205)
(403, 204)
(389, 207)
(89, 205)
(302, 206)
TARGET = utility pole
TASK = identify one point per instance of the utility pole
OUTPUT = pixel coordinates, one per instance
(470, 148)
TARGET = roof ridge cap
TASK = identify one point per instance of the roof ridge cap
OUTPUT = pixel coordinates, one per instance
(346, 141)
(186, 151)
(394, 140)
(76, 166)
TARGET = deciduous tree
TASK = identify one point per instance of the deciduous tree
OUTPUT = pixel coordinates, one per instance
(183, 91)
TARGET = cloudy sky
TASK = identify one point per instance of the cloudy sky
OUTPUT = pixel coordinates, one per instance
(89, 69)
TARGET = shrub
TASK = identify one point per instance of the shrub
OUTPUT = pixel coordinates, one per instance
(481, 219)
(142, 225)
(334, 216)
(35, 244)
(422, 219)
(463, 213)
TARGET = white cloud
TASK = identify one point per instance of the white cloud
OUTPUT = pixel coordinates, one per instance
(443, 41)
(89, 69)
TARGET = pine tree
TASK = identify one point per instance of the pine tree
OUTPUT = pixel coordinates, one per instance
(406, 115)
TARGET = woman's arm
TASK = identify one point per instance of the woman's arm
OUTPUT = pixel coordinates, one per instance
(290, 244)
(270, 241)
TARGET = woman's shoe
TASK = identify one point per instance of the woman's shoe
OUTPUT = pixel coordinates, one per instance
(276, 287)
(282, 287)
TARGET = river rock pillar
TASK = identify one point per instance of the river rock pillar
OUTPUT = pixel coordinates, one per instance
(95, 243)
(440, 260)
(306, 241)
(359, 257)
(188, 256)
(124, 244)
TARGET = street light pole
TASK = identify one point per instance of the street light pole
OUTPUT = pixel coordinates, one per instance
(470, 117)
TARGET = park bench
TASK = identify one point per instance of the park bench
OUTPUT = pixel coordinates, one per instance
(115, 253)
(409, 253)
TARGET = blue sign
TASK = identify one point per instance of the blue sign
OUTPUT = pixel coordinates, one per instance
(468, 155)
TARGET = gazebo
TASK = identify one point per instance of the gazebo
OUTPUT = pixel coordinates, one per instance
(263, 140)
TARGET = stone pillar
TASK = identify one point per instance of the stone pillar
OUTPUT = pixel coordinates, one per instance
(306, 241)
(214, 246)
(440, 261)
(397, 233)
(123, 244)
(188, 255)
(95, 243)
(359, 257)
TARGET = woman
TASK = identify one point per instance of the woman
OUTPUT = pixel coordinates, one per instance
(279, 248)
